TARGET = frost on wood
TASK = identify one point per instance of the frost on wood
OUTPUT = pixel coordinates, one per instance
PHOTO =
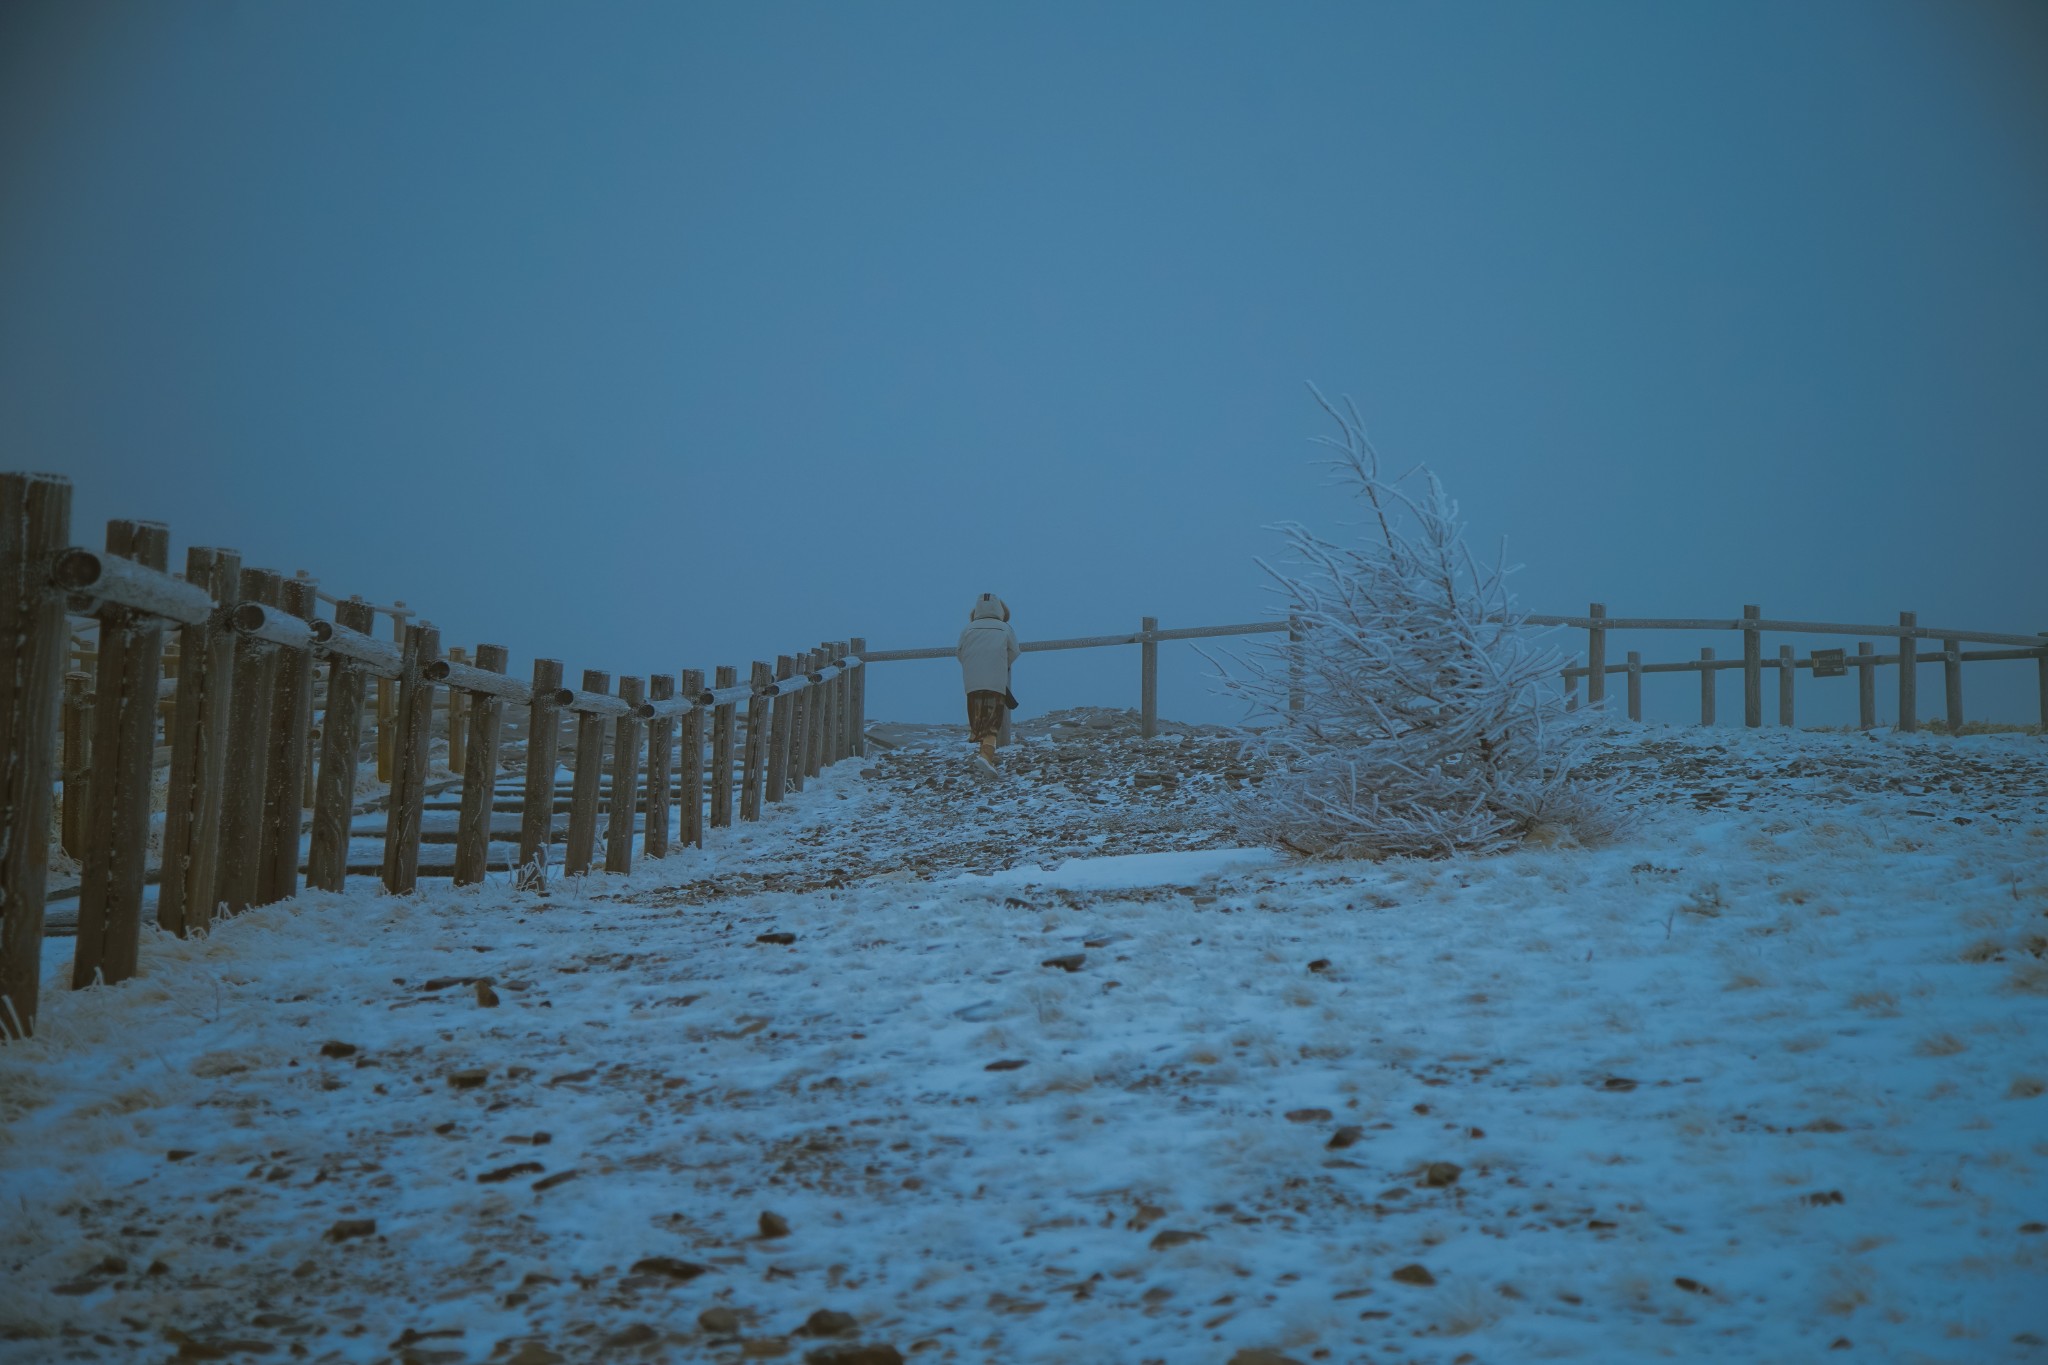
(1410, 712)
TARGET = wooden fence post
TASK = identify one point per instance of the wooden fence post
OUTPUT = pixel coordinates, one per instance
(800, 726)
(779, 726)
(543, 739)
(387, 706)
(826, 729)
(415, 719)
(1635, 685)
(757, 742)
(661, 742)
(690, 764)
(842, 702)
(485, 723)
(35, 524)
(625, 800)
(723, 720)
(459, 712)
(1952, 683)
(291, 724)
(1707, 687)
(123, 753)
(2041, 678)
(334, 794)
(1596, 655)
(1148, 677)
(858, 685)
(241, 821)
(1909, 677)
(1866, 685)
(1571, 691)
(1788, 670)
(77, 750)
(1752, 668)
(582, 850)
(199, 726)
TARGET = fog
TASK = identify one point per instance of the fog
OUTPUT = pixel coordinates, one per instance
(665, 336)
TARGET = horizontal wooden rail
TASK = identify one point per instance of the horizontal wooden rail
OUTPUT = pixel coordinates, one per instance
(123, 582)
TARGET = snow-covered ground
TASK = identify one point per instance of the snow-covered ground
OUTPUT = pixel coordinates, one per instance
(1763, 1080)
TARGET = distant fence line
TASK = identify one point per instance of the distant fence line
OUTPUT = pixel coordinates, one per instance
(1752, 624)
(238, 718)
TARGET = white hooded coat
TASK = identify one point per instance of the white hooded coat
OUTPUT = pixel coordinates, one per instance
(987, 647)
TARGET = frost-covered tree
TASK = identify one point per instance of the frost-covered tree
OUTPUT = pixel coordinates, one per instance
(1412, 711)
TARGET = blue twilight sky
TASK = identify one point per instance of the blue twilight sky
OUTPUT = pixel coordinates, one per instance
(665, 335)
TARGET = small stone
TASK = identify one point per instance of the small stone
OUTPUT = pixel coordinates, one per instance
(1307, 1116)
(2033, 1227)
(1691, 1286)
(719, 1321)
(774, 1225)
(1347, 1136)
(668, 1267)
(1259, 1355)
(1414, 1274)
(469, 1078)
(351, 1227)
(503, 1173)
(485, 996)
(1617, 1084)
(178, 1154)
(1005, 1064)
(829, 1322)
(337, 1049)
(533, 1353)
(1321, 964)
(780, 937)
(854, 1355)
(1840, 1344)
(1066, 962)
(1441, 1173)
(639, 1334)
(1168, 1238)
(548, 1182)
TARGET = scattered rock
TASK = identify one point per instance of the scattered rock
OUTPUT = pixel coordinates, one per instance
(1006, 1064)
(337, 1049)
(1306, 1116)
(1441, 1173)
(719, 1321)
(1414, 1274)
(828, 1322)
(774, 1225)
(1821, 1197)
(548, 1182)
(469, 1078)
(1259, 1355)
(2033, 1227)
(503, 1173)
(1168, 1238)
(854, 1355)
(178, 1154)
(1617, 1084)
(639, 1334)
(1347, 1136)
(351, 1227)
(1321, 964)
(485, 996)
(1066, 962)
(780, 936)
(668, 1267)
(1691, 1286)
(533, 1353)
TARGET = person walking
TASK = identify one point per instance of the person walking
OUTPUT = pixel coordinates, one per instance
(987, 649)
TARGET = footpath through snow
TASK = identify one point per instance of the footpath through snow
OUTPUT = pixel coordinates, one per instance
(1763, 1081)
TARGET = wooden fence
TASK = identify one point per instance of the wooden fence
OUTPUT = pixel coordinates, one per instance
(1752, 624)
(238, 718)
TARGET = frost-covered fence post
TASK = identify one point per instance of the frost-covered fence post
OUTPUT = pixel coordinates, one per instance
(35, 523)
(723, 721)
(757, 742)
(1635, 685)
(817, 715)
(800, 723)
(334, 789)
(241, 820)
(415, 718)
(1706, 687)
(1148, 677)
(625, 799)
(485, 723)
(779, 725)
(1788, 669)
(859, 695)
(661, 743)
(1596, 655)
(123, 749)
(690, 762)
(77, 748)
(458, 714)
(387, 705)
(543, 738)
(1909, 677)
(291, 723)
(1752, 669)
(1952, 683)
(1866, 685)
(589, 775)
(842, 701)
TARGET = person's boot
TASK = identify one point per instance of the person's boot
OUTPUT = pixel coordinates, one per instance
(988, 751)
